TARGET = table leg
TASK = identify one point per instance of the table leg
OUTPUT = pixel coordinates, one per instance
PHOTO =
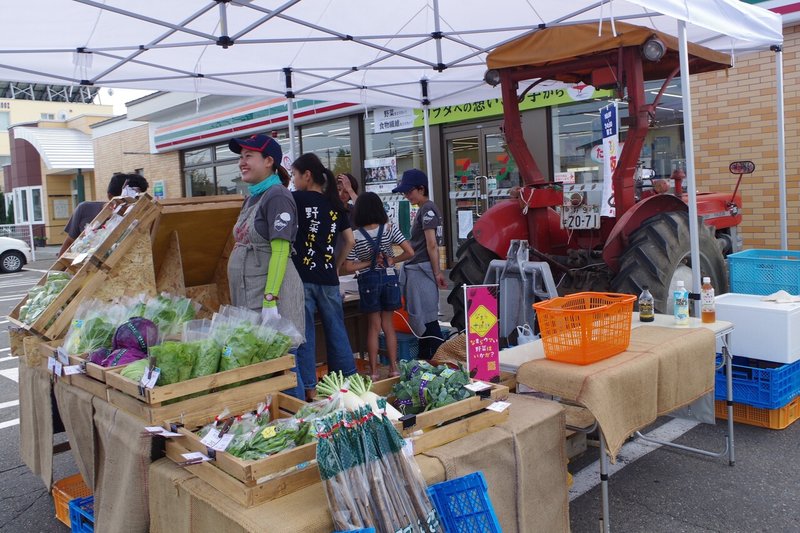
(729, 396)
(604, 521)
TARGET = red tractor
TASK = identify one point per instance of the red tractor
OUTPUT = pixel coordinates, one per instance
(646, 241)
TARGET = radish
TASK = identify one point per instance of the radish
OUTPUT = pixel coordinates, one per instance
(361, 385)
(335, 384)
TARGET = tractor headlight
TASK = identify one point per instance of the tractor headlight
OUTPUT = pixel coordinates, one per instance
(653, 49)
(492, 77)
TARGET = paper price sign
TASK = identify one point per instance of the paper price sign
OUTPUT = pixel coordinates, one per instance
(150, 378)
(71, 370)
(61, 353)
(215, 442)
(499, 406)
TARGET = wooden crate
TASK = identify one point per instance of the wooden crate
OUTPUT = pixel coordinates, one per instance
(138, 217)
(451, 422)
(54, 321)
(249, 482)
(169, 402)
(92, 381)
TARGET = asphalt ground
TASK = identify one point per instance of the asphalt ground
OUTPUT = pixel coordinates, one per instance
(651, 490)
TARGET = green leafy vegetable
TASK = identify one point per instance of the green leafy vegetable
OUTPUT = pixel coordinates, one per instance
(423, 386)
(135, 370)
(207, 357)
(174, 360)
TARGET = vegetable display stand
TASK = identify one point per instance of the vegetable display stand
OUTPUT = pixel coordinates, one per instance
(169, 402)
(53, 320)
(248, 482)
(93, 380)
(451, 422)
(130, 216)
(192, 241)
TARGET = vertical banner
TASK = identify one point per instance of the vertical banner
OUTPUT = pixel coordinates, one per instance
(609, 120)
(483, 348)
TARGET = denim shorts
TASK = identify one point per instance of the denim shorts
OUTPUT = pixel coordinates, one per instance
(378, 291)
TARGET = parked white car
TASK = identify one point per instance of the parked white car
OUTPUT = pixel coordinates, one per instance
(14, 254)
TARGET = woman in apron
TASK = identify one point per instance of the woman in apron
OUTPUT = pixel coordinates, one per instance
(260, 275)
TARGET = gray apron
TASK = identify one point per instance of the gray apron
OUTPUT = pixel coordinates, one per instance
(247, 273)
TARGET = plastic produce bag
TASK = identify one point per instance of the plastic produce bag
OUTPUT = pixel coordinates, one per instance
(93, 326)
(119, 357)
(175, 359)
(168, 313)
(41, 296)
(137, 333)
(197, 338)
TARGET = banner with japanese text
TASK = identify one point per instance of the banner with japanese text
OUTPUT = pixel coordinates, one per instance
(609, 120)
(483, 347)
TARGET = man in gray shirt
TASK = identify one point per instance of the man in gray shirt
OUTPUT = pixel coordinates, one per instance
(87, 211)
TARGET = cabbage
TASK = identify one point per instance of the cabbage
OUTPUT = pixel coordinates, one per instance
(94, 333)
(137, 333)
(120, 357)
(135, 370)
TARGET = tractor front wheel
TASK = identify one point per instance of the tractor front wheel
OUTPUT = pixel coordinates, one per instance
(472, 263)
(658, 255)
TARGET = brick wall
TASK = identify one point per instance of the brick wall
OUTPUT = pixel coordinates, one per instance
(128, 150)
(735, 117)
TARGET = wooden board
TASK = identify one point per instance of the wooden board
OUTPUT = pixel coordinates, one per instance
(451, 422)
(250, 472)
(235, 399)
(170, 275)
(247, 496)
(90, 385)
(163, 393)
(204, 226)
(132, 273)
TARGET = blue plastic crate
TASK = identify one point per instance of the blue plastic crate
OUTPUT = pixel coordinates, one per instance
(407, 347)
(81, 515)
(464, 506)
(764, 271)
(366, 530)
(760, 383)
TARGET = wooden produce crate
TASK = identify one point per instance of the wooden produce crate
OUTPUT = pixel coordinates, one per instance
(451, 422)
(138, 217)
(92, 381)
(169, 402)
(56, 318)
(249, 482)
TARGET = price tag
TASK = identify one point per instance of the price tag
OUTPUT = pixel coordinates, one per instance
(195, 457)
(158, 431)
(499, 406)
(80, 258)
(447, 372)
(51, 364)
(58, 368)
(215, 442)
(269, 432)
(71, 370)
(61, 353)
(149, 378)
(477, 386)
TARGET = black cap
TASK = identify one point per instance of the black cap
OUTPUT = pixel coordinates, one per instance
(411, 179)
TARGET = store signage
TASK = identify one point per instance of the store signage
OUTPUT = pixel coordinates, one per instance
(159, 190)
(564, 177)
(483, 347)
(380, 174)
(392, 118)
(609, 120)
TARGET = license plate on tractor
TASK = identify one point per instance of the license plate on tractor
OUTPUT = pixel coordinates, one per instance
(580, 217)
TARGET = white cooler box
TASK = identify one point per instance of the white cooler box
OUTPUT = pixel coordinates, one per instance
(767, 331)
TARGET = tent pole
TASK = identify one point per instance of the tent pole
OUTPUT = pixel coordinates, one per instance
(427, 133)
(781, 145)
(691, 180)
(290, 110)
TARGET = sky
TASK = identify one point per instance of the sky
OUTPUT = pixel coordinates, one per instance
(118, 97)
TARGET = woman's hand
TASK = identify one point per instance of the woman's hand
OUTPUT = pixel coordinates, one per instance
(344, 183)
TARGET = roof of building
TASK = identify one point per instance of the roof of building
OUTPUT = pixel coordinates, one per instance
(59, 148)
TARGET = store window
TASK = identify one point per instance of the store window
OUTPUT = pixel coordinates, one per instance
(577, 135)
(331, 142)
(28, 207)
(406, 146)
(212, 170)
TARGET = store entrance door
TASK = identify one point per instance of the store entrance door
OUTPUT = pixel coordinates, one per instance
(480, 173)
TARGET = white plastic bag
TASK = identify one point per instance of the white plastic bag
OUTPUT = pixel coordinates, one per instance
(525, 334)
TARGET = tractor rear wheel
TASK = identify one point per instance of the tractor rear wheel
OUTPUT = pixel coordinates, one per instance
(658, 255)
(472, 263)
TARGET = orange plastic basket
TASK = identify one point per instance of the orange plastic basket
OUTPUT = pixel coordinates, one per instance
(585, 327)
(65, 490)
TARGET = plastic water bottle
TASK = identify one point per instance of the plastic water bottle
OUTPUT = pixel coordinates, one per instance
(646, 305)
(708, 312)
(681, 309)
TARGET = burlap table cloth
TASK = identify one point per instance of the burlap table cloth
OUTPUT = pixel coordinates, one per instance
(36, 421)
(662, 370)
(523, 460)
(77, 412)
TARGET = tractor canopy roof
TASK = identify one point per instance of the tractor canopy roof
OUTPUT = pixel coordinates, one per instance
(564, 44)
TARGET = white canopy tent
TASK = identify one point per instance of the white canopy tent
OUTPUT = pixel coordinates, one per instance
(407, 53)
